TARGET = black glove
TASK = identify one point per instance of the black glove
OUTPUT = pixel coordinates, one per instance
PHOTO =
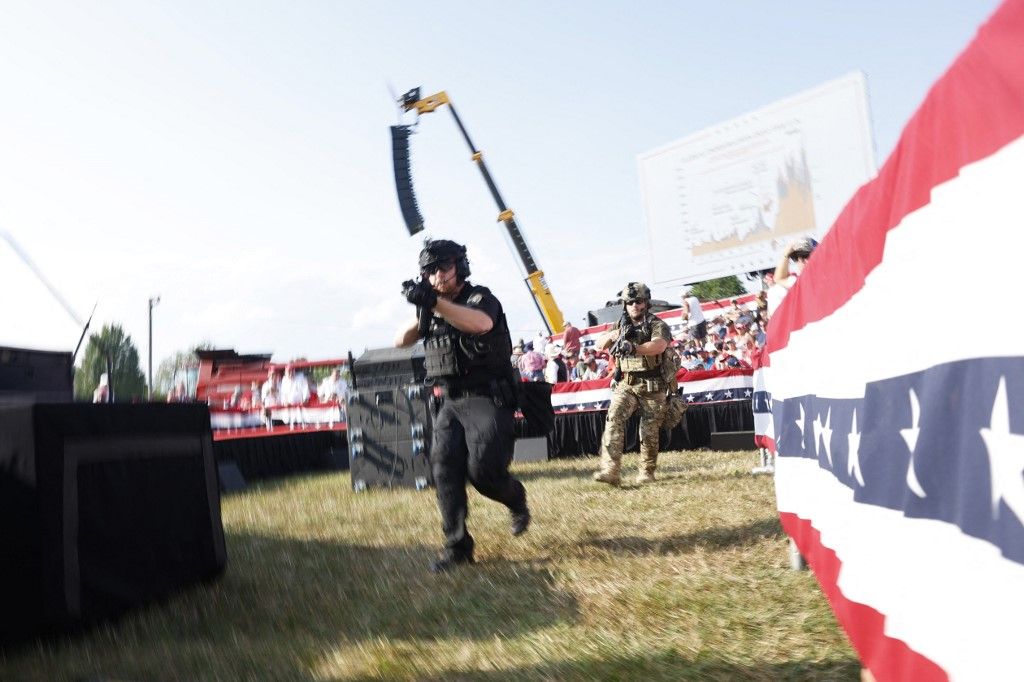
(420, 294)
(625, 348)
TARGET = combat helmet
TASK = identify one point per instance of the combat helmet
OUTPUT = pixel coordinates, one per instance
(439, 250)
(633, 291)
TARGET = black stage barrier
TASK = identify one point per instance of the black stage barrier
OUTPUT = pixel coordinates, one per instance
(102, 507)
(35, 376)
(282, 455)
(579, 434)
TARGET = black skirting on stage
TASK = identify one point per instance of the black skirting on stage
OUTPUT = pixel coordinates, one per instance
(282, 455)
(579, 434)
(535, 405)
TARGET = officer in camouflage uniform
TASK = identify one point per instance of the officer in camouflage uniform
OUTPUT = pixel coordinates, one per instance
(638, 344)
(466, 346)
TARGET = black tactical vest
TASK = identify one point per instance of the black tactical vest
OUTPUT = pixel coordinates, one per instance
(454, 357)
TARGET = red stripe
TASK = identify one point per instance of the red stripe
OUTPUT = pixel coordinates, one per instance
(684, 376)
(759, 359)
(976, 108)
(702, 374)
(887, 658)
(577, 386)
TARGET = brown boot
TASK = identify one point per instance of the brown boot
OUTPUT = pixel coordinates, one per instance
(609, 476)
(644, 477)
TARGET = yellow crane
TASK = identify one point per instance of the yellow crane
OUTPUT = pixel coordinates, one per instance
(535, 282)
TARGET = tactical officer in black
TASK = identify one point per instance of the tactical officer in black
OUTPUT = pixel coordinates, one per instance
(467, 348)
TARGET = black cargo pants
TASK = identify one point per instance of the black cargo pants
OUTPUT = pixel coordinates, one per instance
(473, 440)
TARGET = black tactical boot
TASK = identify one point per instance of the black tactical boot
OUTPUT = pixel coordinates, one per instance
(520, 522)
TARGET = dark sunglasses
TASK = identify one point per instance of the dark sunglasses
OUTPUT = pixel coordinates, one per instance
(435, 267)
(634, 301)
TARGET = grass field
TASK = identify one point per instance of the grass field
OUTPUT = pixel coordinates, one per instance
(687, 578)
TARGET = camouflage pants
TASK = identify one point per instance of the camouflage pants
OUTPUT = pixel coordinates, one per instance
(625, 401)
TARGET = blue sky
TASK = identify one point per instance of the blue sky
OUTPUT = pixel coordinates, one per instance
(234, 157)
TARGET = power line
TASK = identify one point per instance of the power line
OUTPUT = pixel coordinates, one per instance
(42, 278)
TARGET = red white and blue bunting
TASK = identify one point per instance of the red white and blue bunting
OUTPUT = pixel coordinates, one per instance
(900, 475)
(695, 387)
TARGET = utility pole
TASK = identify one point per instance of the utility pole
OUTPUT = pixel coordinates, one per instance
(153, 301)
(110, 375)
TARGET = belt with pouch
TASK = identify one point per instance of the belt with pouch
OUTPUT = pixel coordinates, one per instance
(650, 381)
(452, 392)
(654, 373)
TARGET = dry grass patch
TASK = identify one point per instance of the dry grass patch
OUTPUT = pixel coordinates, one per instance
(683, 579)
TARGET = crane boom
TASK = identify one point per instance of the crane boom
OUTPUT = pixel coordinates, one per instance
(535, 282)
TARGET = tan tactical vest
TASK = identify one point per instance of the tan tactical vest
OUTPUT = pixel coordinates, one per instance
(640, 363)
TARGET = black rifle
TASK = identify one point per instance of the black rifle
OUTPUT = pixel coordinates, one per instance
(626, 330)
(424, 315)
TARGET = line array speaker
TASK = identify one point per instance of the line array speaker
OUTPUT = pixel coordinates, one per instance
(389, 432)
(403, 179)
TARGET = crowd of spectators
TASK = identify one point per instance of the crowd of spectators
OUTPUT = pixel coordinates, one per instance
(732, 337)
(565, 361)
(717, 340)
(292, 387)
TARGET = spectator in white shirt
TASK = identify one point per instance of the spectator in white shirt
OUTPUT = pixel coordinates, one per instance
(294, 387)
(269, 393)
(540, 343)
(592, 370)
(333, 387)
(693, 316)
(554, 370)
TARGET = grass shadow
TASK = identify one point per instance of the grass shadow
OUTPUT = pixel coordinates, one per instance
(706, 538)
(687, 477)
(357, 592)
(296, 479)
(282, 602)
(555, 469)
(583, 466)
(655, 665)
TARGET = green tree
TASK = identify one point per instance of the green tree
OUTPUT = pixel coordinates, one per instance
(714, 289)
(126, 377)
(166, 371)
